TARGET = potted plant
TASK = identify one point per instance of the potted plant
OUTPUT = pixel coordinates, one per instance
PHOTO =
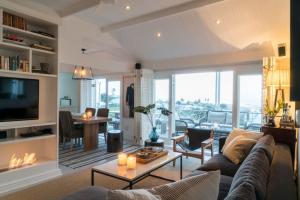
(271, 112)
(149, 111)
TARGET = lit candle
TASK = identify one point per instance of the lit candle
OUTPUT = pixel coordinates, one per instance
(84, 116)
(122, 159)
(89, 114)
(131, 162)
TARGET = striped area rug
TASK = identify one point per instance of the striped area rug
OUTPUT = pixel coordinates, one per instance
(77, 157)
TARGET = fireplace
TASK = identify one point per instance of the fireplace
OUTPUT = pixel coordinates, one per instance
(18, 162)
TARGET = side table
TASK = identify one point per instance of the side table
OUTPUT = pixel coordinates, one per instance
(158, 143)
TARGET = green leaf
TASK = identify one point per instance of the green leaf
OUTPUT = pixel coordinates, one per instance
(165, 111)
(150, 106)
(139, 109)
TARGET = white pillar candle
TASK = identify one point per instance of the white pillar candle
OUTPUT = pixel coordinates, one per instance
(131, 162)
(122, 159)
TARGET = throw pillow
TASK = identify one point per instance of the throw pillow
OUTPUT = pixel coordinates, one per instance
(201, 187)
(237, 132)
(206, 184)
(140, 194)
(238, 149)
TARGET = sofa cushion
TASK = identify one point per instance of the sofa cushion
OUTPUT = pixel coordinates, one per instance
(224, 186)
(254, 171)
(244, 191)
(238, 149)
(216, 117)
(90, 193)
(281, 184)
(220, 162)
(139, 194)
(206, 184)
(239, 132)
(266, 143)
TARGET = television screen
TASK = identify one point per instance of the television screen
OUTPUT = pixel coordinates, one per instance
(19, 99)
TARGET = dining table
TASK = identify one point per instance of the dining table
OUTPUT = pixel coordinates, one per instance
(90, 130)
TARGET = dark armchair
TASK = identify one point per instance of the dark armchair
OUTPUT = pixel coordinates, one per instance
(67, 128)
(194, 142)
(103, 112)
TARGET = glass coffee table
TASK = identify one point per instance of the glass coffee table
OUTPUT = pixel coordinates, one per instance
(132, 176)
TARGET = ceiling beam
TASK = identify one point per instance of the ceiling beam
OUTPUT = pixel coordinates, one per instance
(158, 14)
(75, 8)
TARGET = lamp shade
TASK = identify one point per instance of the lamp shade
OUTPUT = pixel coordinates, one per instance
(278, 77)
(82, 73)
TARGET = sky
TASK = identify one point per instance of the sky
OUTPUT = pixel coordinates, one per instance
(191, 87)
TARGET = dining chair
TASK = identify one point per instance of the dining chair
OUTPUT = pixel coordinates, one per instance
(67, 128)
(92, 110)
(103, 112)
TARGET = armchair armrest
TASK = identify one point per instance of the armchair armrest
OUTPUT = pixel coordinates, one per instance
(178, 138)
(207, 142)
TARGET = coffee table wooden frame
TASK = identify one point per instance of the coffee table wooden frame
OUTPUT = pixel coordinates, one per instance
(141, 177)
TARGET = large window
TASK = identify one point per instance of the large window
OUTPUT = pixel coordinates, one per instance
(194, 95)
(204, 100)
(113, 102)
(100, 93)
(250, 101)
(161, 98)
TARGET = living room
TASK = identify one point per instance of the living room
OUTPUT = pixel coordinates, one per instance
(127, 99)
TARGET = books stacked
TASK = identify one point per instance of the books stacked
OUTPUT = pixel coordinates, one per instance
(14, 21)
(14, 63)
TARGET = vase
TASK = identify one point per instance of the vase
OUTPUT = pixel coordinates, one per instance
(153, 136)
(270, 121)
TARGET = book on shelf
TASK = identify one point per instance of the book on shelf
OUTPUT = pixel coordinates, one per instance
(14, 21)
(14, 63)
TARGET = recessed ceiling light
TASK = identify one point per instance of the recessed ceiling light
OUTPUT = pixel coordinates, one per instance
(158, 34)
(128, 7)
(218, 21)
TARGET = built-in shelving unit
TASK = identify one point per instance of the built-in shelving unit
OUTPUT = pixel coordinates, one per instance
(22, 139)
(26, 33)
(45, 146)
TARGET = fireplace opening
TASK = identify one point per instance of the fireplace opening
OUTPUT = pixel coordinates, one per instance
(18, 162)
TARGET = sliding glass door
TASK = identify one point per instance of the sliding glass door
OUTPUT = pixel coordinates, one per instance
(204, 100)
(114, 103)
(250, 102)
(195, 94)
(161, 100)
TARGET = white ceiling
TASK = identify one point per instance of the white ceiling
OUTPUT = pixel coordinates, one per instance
(245, 24)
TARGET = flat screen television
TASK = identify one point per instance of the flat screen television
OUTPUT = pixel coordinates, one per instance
(19, 99)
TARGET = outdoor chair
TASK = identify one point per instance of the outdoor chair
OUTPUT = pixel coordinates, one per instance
(194, 142)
